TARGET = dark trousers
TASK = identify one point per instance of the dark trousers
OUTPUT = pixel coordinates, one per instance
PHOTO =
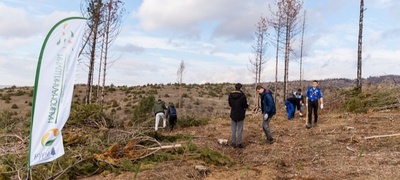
(312, 107)
(172, 121)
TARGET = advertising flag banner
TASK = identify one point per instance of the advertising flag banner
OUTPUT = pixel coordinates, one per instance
(53, 90)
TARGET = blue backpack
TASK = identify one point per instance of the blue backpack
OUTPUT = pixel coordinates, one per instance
(172, 111)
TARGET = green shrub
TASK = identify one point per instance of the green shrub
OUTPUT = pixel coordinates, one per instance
(152, 91)
(5, 119)
(212, 94)
(19, 93)
(144, 109)
(209, 155)
(187, 121)
(6, 98)
(361, 102)
(90, 114)
(169, 138)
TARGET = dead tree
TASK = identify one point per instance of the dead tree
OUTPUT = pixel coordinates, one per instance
(359, 58)
(290, 21)
(259, 50)
(302, 49)
(98, 92)
(181, 70)
(276, 23)
(92, 10)
(113, 14)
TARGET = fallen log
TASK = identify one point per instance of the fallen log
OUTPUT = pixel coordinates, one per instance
(166, 147)
(380, 136)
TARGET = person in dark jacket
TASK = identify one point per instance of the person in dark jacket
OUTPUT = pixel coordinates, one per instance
(291, 104)
(299, 95)
(238, 103)
(158, 109)
(171, 116)
(268, 110)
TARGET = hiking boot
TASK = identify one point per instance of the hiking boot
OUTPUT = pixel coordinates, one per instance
(240, 146)
(270, 141)
(233, 145)
(308, 126)
(315, 124)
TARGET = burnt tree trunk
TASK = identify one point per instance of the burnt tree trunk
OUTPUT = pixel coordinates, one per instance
(359, 58)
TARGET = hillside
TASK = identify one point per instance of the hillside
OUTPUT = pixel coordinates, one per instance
(120, 142)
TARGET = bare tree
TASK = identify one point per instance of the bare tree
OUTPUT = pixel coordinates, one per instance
(113, 14)
(276, 22)
(104, 20)
(181, 70)
(290, 18)
(302, 48)
(98, 92)
(359, 58)
(259, 50)
(92, 10)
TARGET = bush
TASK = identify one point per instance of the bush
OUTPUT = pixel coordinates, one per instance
(187, 121)
(114, 103)
(5, 119)
(212, 94)
(6, 98)
(14, 106)
(209, 155)
(90, 114)
(19, 93)
(361, 102)
(144, 109)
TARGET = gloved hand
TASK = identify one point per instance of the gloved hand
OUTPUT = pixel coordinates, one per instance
(265, 117)
(322, 106)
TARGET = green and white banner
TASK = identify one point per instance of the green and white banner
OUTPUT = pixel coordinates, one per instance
(54, 84)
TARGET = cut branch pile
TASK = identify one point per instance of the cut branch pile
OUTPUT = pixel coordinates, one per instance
(133, 150)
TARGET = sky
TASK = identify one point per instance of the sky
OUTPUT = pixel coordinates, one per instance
(212, 37)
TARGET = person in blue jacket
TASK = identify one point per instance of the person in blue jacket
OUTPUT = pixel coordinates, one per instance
(313, 95)
(291, 103)
(268, 110)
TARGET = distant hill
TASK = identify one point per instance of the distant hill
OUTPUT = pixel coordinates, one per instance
(4, 86)
(348, 83)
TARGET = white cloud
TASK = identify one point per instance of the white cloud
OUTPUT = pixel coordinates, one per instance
(230, 18)
(16, 22)
(212, 37)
